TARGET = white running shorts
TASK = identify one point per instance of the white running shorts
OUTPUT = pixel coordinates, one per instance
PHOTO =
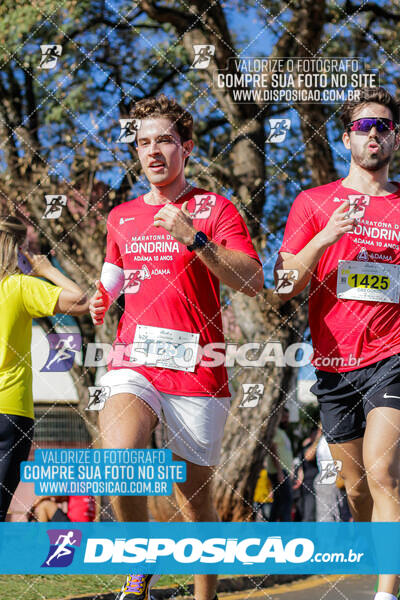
(194, 424)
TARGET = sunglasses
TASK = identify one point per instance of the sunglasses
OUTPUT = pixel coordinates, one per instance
(366, 124)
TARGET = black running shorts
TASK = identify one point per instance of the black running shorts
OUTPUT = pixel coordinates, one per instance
(346, 398)
(59, 516)
(16, 435)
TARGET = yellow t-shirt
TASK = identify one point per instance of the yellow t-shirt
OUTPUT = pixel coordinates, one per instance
(263, 491)
(22, 298)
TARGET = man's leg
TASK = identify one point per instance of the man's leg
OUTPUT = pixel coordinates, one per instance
(195, 502)
(354, 476)
(126, 421)
(46, 510)
(281, 509)
(382, 463)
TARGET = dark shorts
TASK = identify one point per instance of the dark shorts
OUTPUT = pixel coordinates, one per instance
(60, 516)
(16, 435)
(346, 398)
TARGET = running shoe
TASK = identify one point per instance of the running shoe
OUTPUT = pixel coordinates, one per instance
(137, 587)
(376, 589)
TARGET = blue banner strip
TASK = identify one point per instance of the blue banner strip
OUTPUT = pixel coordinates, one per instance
(223, 548)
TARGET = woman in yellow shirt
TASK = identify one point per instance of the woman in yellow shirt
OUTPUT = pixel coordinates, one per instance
(22, 298)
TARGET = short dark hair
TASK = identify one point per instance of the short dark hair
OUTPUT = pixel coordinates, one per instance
(165, 107)
(378, 95)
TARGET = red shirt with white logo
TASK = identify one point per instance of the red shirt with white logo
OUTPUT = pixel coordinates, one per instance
(348, 334)
(169, 287)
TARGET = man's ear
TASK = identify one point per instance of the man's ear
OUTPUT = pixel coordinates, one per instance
(346, 140)
(188, 147)
(397, 141)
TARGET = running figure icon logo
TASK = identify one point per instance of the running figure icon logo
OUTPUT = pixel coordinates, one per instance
(329, 471)
(62, 547)
(63, 347)
(133, 279)
(204, 206)
(202, 55)
(286, 280)
(252, 394)
(278, 130)
(50, 54)
(98, 396)
(54, 206)
(129, 128)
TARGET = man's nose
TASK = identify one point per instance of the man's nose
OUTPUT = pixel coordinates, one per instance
(373, 132)
(154, 148)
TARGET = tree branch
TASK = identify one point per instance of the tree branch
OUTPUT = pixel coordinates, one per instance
(379, 11)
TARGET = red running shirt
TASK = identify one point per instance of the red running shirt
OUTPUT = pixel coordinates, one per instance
(171, 288)
(81, 508)
(347, 334)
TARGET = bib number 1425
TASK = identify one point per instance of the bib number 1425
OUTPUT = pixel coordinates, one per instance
(368, 281)
(376, 282)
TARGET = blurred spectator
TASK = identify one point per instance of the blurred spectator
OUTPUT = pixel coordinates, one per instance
(297, 509)
(310, 472)
(280, 471)
(48, 509)
(331, 500)
(262, 500)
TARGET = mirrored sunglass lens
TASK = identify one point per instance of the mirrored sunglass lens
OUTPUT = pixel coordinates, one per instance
(385, 125)
(366, 125)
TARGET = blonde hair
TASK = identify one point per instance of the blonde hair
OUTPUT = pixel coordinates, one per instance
(12, 235)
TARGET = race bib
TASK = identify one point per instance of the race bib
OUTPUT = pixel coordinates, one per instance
(167, 348)
(376, 282)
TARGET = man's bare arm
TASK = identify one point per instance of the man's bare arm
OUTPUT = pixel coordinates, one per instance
(233, 268)
(305, 261)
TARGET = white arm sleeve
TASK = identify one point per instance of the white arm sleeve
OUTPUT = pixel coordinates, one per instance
(112, 277)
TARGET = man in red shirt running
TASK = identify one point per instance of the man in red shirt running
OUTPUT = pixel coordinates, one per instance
(168, 250)
(344, 237)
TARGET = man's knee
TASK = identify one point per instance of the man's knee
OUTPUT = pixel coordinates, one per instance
(196, 500)
(357, 490)
(356, 484)
(383, 478)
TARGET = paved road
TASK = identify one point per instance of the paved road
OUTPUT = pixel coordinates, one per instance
(329, 587)
(318, 587)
